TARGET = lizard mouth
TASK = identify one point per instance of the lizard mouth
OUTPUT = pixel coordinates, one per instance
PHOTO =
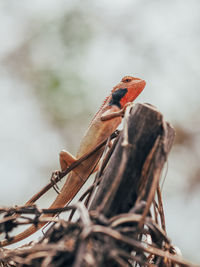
(140, 81)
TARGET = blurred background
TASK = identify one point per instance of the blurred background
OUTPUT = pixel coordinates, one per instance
(59, 59)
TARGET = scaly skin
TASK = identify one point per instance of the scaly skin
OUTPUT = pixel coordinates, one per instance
(99, 130)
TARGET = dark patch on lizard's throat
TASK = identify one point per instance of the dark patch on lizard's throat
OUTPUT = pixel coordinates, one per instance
(117, 96)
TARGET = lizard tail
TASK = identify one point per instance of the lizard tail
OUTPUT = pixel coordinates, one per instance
(31, 230)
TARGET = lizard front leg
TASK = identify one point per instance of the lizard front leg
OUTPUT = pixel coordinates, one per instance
(115, 114)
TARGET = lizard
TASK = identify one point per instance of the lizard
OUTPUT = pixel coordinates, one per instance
(104, 123)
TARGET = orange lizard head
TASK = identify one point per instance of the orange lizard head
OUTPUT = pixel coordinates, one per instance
(126, 91)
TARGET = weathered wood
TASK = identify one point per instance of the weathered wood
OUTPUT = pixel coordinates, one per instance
(132, 167)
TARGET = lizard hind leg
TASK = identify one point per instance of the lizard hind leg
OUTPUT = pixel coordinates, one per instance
(66, 159)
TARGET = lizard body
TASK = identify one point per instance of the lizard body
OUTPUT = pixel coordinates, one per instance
(99, 130)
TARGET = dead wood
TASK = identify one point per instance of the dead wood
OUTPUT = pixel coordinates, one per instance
(139, 156)
(125, 224)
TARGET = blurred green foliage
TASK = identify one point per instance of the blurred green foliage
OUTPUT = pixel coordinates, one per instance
(50, 60)
(59, 85)
(75, 31)
(62, 98)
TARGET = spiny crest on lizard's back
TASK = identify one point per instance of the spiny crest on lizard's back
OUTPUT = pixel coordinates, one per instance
(102, 105)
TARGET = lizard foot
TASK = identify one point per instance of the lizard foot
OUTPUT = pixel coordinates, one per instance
(55, 175)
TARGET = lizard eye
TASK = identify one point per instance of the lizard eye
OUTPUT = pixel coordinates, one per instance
(127, 79)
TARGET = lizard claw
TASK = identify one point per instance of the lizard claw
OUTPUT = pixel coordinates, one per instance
(54, 177)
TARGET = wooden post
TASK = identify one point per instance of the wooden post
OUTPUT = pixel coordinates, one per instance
(128, 186)
(135, 162)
